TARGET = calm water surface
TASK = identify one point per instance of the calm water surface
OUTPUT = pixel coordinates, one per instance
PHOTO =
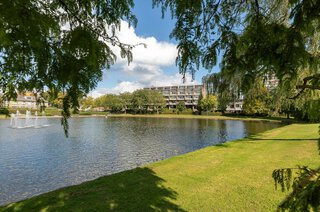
(34, 161)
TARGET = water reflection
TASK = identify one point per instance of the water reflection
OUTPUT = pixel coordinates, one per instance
(33, 161)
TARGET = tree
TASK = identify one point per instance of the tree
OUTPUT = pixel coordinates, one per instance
(208, 103)
(145, 100)
(255, 38)
(227, 90)
(257, 100)
(87, 102)
(58, 100)
(126, 99)
(140, 100)
(156, 100)
(181, 107)
(1, 101)
(101, 102)
(111, 102)
(59, 45)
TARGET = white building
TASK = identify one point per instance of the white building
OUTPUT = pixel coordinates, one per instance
(189, 94)
(27, 101)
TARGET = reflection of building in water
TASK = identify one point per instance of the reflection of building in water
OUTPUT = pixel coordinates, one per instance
(189, 94)
(26, 100)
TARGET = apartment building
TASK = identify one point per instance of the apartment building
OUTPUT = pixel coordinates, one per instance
(270, 81)
(189, 94)
(27, 101)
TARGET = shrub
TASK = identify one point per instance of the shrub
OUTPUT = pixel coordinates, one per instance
(4, 111)
(85, 113)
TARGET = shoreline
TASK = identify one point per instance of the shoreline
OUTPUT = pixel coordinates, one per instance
(183, 116)
(236, 171)
(176, 116)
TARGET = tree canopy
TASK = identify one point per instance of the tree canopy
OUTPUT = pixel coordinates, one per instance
(140, 101)
(59, 45)
(254, 38)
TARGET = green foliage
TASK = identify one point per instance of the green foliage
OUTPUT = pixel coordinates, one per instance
(225, 88)
(257, 100)
(255, 38)
(4, 111)
(59, 45)
(87, 102)
(140, 101)
(181, 106)
(113, 103)
(126, 100)
(217, 170)
(168, 111)
(208, 103)
(305, 195)
(147, 100)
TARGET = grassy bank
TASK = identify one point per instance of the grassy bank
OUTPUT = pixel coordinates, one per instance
(230, 117)
(235, 176)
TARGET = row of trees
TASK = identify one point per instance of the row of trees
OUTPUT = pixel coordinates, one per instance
(260, 100)
(140, 101)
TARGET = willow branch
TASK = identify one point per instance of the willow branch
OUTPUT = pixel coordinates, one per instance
(112, 39)
(305, 85)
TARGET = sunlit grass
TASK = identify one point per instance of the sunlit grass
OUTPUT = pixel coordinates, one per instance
(235, 176)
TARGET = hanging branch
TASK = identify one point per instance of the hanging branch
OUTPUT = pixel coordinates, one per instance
(305, 85)
(113, 39)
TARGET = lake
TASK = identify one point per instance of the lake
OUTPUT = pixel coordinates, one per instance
(34, 161)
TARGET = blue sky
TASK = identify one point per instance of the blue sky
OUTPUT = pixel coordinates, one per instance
(153, 66)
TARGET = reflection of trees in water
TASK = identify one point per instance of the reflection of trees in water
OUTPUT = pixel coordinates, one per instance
(222, 131)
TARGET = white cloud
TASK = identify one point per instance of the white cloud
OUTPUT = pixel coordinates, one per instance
(122, 87)
(146, 69)
(156, 52)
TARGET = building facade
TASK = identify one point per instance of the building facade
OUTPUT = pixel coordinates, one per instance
(189, 94)
(27, 101)
(270, 81)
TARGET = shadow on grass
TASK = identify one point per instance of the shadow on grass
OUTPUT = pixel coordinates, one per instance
(139, 189)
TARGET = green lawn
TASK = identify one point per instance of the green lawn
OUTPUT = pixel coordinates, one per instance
(235, 176)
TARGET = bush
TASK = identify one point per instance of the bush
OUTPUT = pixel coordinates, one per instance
(168, 111)
(85, 113)
(187, 111)
(211, 113)
(4, 111)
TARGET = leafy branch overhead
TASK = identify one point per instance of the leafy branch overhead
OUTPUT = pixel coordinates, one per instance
(59, 45)
(254, 37)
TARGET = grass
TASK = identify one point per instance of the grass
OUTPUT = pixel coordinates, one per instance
(220, 117)
(2, 116)
(235, 176)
